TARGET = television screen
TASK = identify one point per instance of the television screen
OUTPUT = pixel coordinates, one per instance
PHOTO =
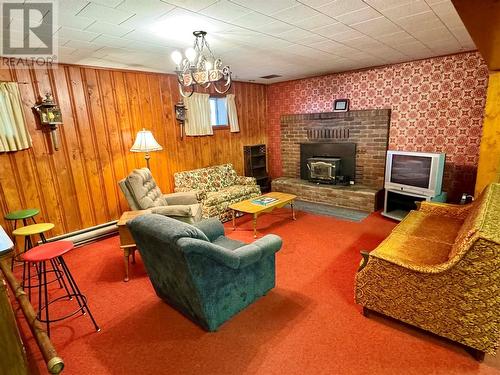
(411, 170)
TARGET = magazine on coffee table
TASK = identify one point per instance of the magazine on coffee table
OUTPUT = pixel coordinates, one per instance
(264, 201)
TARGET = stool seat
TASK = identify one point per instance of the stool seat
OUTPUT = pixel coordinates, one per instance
(47, 251)
(22, 214)
(32, 229)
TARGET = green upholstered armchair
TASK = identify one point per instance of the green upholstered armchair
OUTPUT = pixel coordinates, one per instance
(200, 272)
(142, 193)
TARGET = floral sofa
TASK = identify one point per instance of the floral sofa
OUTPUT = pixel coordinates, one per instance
(439, 270)
(217, 188)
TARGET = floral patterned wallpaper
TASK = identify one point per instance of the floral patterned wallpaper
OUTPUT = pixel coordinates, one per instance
(437, 106)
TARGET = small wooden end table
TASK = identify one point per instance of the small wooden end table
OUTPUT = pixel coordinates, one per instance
(248, 207)
(127, 243)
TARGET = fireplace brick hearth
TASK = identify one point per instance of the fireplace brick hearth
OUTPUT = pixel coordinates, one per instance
(368, 129)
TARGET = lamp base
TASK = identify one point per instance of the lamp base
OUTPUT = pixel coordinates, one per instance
(147, 157)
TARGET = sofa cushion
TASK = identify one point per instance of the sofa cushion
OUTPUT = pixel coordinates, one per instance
(431, 227)
(411, 249)
(228, 243)
(230, 193)
(206, 179)
(144, 189)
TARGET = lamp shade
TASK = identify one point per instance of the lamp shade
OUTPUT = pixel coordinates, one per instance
(5, 242)
(145, 142)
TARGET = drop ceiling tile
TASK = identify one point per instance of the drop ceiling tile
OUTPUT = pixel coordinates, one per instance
(346, 35)
(74, 34)
(314, 22)
(275, 28)
(296, 34)
(79, 44)
(462, 35)
(314, 38)
(448, 14)
(145, 8)
(295, 13)
(70, 6)
(326, 46)
(266, 6)
(397, 38)
(360, 15)
(316, 3)
(339, 7)
(253, 20)
(334, 28)
(192, 5)
(377, 26)
(110, 41)
(108, 29)
(75, 22)
(225, 11)
(381, 5)
(103, 13)
(361, 42)
(406, 10)
(107, 3)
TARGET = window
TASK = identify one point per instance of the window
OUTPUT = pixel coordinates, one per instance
(218, 111)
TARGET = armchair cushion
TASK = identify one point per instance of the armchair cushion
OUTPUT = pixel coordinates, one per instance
(177, 210)
(142, 186)
(181, 198)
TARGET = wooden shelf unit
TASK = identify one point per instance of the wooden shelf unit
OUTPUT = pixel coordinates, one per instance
(255, 160)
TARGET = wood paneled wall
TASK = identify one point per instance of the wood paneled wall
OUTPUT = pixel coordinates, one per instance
(76, 186)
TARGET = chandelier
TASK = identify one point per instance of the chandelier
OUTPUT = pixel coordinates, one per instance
(199, 67)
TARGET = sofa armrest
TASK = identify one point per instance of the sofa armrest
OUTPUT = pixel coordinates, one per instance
(243, 180)
(200, 194)
(261, 248)
(188, 197)
(457, 211)
(173, 210)
(235, 259)
(212, 228)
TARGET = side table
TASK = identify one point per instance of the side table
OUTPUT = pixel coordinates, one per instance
(127, 243)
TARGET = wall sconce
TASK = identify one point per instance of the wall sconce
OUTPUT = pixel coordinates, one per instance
(180, 116)
(50, 116)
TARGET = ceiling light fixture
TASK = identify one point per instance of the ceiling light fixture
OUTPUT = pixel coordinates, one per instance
(199, 67)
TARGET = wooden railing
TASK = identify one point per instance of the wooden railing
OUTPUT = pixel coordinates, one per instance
(54, 363)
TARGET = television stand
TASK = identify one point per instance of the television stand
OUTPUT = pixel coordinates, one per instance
(398, 203)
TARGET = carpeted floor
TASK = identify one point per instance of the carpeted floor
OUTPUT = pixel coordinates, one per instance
(308, 324)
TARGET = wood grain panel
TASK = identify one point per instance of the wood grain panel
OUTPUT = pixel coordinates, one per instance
(76, 186)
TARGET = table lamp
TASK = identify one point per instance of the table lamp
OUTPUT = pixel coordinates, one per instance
(145, 142)
(6, 244)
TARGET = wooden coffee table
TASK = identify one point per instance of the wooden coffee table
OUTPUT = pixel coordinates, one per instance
(127, 243)
(248, 207)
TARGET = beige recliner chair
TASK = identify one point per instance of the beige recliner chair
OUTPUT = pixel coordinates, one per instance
(142, 193)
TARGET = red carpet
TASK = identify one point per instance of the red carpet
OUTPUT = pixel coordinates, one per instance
(308, 324)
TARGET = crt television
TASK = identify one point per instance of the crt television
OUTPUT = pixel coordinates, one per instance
(415, 172)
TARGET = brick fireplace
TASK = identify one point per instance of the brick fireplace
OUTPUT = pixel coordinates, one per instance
(365, 131)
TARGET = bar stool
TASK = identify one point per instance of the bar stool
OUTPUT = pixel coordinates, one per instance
(26, 232)
(23, 215)
(53, 252)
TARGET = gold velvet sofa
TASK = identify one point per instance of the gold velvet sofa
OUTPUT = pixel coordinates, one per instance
(439, 270)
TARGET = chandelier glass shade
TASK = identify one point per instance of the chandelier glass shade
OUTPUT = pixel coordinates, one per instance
(199, 67)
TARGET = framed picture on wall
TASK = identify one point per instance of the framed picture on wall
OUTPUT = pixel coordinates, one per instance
(341, 105)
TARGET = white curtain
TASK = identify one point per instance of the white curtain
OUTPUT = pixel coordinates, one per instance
(13, 133)
(198, 115)
(232, 113)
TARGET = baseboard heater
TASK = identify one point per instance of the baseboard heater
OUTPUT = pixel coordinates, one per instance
(84, 236)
